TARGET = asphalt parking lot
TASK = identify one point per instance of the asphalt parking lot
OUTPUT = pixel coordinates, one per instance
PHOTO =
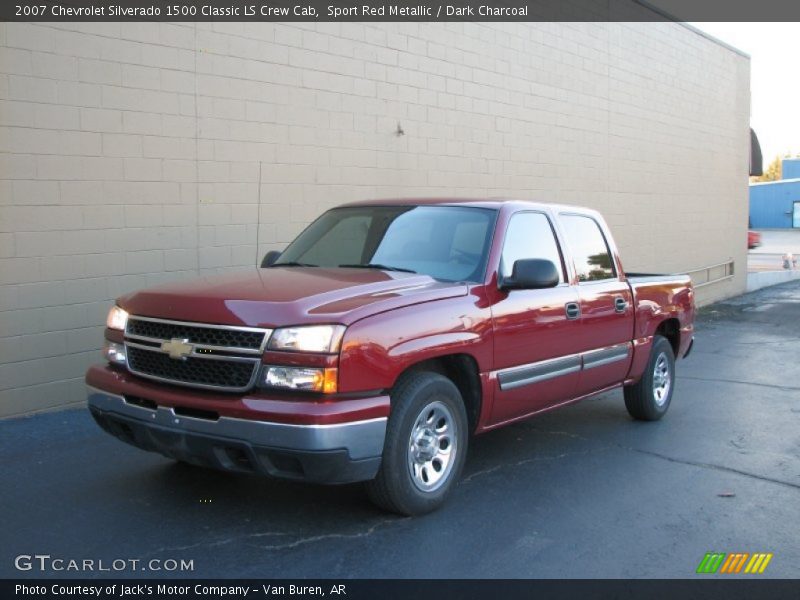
(579, 492)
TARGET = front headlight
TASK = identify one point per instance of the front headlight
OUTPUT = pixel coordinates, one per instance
(308, 338)
(117, 318)
(307, 379)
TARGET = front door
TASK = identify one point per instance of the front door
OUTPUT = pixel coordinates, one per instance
(536, 364)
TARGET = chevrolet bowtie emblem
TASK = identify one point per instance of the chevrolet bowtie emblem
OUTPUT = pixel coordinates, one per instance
(177, 348)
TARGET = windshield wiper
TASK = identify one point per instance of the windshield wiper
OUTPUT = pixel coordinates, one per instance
(292, 264)
(377, 266)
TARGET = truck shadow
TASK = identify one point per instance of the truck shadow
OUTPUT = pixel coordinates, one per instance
(212, 510)
(123, 501)
(550, 436)
(149, 507)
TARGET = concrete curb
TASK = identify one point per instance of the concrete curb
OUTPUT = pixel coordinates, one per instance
(762, 279)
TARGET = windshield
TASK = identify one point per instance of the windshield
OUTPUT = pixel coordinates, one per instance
(446, 242)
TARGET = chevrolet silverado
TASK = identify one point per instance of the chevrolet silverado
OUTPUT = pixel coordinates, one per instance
(383, 337)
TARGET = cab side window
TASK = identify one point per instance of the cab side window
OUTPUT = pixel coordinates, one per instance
(590, 251)
(530, 235)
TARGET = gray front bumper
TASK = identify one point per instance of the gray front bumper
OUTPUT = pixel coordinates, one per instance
(339, 453)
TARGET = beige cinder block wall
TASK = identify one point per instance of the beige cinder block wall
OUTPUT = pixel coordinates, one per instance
(139, 153)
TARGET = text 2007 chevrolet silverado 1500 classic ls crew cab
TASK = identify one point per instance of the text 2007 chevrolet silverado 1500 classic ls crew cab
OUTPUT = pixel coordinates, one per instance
(382, 337)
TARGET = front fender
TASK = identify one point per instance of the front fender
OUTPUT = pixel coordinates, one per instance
(378, 349)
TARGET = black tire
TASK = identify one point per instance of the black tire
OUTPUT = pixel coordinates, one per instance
(421, 402)
(648, 399)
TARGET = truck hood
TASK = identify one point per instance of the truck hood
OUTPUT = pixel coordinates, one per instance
(280, 296)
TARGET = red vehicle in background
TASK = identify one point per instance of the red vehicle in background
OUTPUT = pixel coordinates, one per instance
(383, 337)
(753, 239)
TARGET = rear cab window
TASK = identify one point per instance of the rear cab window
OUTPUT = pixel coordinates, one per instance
(590, 251)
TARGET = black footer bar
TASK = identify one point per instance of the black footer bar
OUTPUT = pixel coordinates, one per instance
(390, 589)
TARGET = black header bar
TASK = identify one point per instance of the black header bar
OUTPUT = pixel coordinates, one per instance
(312, 11)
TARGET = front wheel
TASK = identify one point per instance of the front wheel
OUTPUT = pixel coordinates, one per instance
(649, 398)
(425, 447)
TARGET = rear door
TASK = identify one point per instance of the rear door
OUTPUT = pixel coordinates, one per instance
(606, 305)
(536, 364)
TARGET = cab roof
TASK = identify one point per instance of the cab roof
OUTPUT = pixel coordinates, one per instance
(490, 203)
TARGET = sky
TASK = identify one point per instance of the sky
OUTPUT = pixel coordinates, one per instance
(774, 50)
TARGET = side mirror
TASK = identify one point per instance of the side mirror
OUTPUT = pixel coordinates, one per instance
(270, 258)
(531, 274)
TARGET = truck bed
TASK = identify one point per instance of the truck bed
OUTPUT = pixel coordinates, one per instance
(647, 277)
(659, 294)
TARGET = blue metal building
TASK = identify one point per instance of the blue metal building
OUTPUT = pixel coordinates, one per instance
(790, 168)
(776, 204)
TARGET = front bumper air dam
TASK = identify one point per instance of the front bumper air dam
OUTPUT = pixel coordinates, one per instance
(337, 453)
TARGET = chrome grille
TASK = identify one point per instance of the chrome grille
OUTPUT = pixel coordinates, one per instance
(191, 371)
(212, 336)
(218, 357)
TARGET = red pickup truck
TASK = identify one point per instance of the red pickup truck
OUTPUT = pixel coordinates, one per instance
(385, 335)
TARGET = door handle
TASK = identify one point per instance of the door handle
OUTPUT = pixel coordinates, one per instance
(573, 310)
(620, 305)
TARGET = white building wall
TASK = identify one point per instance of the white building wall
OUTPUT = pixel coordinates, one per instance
(136, 153)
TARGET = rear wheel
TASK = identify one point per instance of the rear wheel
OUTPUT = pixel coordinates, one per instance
(649, 398)
(425, 446)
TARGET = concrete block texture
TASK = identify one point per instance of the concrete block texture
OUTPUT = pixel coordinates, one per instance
(134, 154)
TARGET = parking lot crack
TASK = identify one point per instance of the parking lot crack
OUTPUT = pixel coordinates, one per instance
(215, 543)
(564, 433)
(785, 388)
(327, 536)
(251, 536)
(520, 463)
(714, 467)
(603, 447)
(472, 476)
